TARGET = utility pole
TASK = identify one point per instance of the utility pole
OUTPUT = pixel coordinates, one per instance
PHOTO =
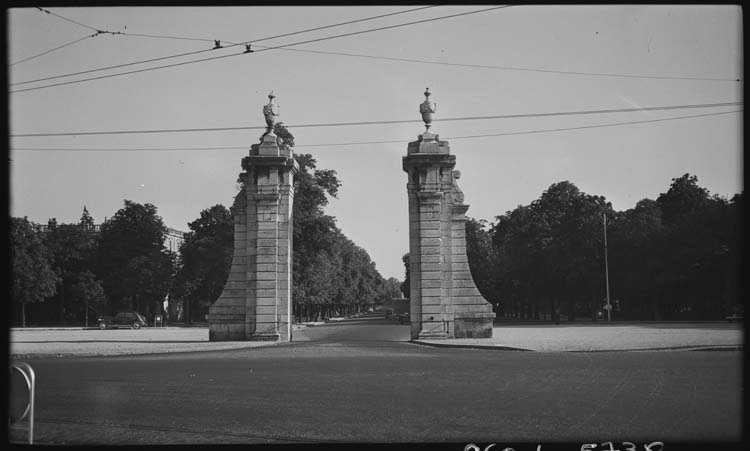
(606, 267)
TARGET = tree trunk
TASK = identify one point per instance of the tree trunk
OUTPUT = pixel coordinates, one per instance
(61, 305)
(655, 307)
(592, 306)
(23, 315)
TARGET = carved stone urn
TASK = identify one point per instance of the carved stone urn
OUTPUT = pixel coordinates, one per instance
(427, 109)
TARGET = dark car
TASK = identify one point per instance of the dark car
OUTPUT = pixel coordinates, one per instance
(735, 317)
(124, 319)
(403, 318)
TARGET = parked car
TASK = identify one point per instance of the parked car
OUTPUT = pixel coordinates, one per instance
(122, 319)
(403, 318)
(388, 313)
(735, 317)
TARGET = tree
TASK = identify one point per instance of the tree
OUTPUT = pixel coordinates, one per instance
(671, 258)
(392, 288)
(550, 253)
(33, 278)
(683, 198)
(86, 222)
(205, 261)
(72, 248)
(132, 261)
(482, 259)
(406, 284)
(331, 275)
(635, 249)
(88, 290)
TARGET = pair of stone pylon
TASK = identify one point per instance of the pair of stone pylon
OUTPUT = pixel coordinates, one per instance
(256, 303)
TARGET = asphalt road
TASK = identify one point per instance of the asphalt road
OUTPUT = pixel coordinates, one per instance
(360, 381)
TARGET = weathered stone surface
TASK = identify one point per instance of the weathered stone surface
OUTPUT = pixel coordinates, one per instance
(255, 303)
(445, 302)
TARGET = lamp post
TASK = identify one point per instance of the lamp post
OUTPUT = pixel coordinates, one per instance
(606, 267)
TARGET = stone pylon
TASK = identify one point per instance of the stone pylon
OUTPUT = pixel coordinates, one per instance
(444, 301)
(257, 298)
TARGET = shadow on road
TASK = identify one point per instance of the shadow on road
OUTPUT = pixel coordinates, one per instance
(373, 328)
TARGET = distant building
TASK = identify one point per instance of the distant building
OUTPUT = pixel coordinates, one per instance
(174, 239)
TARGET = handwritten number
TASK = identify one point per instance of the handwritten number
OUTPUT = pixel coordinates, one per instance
(588, 446)
(629, 446)
(650, 446)
(473, 447)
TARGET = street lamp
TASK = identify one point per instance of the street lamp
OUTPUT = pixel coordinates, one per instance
(606, 266)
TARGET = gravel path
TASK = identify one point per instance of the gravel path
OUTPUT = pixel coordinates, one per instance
(545, 338)
(95, 342)
(551, 338)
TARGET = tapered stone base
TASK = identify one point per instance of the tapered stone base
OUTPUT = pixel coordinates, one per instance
(226, 332)
(429, 331)
(432, 335)
(265, 337)
(479, 325)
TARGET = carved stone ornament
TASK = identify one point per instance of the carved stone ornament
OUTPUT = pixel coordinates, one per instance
(427, 109)
(271, 112)
(457, 194)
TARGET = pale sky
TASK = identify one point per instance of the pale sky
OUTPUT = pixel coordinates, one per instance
(536, 59)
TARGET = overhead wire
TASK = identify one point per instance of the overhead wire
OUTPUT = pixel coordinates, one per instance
(401, 141)
(52, 50)
(262, 50)
(511, 68)
(232, 44)
(388, 122)
(184, 38)
(408, 60)
(67, 19)
(158, 36)
(98, 32)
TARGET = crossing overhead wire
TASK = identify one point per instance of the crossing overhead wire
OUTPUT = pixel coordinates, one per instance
(65, 18)
(408, 121)
(232, 44)
(52, 50)
(525, 132)
(262, 50)
(98, 32)
(161, 36)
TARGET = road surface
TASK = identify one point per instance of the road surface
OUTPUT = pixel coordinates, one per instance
(360, 381)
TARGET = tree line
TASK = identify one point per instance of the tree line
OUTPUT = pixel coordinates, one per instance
(673, 258)
(69, 274)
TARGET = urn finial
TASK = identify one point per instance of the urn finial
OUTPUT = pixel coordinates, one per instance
(271, 112)
(427, 109)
